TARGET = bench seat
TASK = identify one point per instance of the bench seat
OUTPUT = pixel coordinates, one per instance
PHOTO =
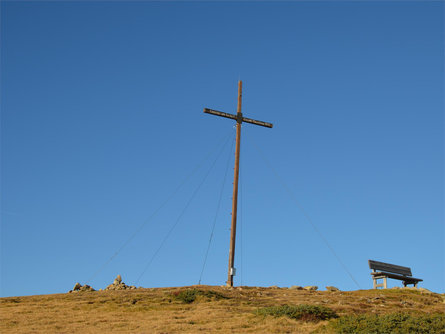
(406, 280)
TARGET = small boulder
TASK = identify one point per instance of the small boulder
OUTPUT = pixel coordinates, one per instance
(296, 287)
(117, 280)
(311, 288)
(86, 287)
(79, 287)
(332, 288)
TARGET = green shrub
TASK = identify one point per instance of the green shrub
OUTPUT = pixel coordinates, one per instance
(186, 296)
(299, 312)
(190, 295)
(211, 294)
(400, 323)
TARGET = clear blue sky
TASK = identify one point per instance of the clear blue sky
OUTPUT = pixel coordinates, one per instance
(101, 120)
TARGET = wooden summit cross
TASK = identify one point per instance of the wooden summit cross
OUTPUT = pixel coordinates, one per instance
(239, 119)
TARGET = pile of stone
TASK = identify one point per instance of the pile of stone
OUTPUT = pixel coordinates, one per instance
(119, 285)
(79, 288)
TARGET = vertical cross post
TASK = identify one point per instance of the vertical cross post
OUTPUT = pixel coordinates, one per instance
(239, 119)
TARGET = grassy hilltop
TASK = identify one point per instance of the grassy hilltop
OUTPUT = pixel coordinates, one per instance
(222, 310)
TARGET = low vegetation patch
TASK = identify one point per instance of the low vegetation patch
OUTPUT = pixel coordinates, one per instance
(189, 296)
(399, 323)
(299, 312)
(214, 309)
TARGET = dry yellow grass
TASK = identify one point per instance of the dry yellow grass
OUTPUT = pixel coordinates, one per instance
(157, 311)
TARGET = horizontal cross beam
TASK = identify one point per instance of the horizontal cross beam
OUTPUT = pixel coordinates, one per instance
(238, 119)
(260, 123)
(219, 113)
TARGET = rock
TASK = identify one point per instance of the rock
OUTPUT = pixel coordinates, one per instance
(117, 280)
(311, 288)
(274, 287)
(119, 285)
(86, 288)
(79, 287)
(296, 287)
(332, 288)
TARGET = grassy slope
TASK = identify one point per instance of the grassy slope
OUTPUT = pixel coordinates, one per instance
(157, 311)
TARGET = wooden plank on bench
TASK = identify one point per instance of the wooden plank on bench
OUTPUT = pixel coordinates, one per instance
(407, 279)
(392, 268)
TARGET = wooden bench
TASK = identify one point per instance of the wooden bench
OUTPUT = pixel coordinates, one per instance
(381, 270)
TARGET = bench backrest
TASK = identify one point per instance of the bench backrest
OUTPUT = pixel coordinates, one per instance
(391, 268)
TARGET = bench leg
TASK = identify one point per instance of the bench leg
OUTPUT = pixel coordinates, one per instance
(415, 285)
(376, 283)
